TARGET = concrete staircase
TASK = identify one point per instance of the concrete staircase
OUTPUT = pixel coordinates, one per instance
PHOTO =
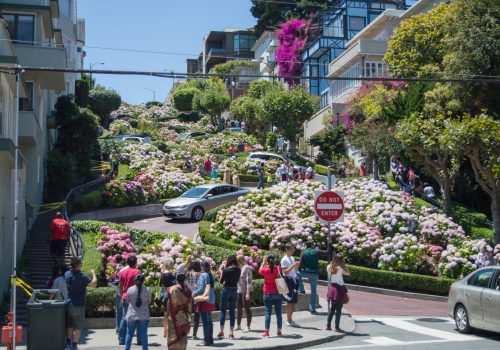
(40, 261)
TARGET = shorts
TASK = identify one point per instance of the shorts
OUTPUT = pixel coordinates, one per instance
(292, 296)
(58, 247)
(75, 317)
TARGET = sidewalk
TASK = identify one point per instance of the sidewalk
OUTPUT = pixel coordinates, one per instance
(311, 333)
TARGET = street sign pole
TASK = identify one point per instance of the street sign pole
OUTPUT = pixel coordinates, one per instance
(329, 237)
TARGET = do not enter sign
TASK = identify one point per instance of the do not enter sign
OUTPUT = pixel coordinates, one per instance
(329, 206)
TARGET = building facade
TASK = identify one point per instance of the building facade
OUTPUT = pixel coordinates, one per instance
(33, 34)
(265, 54)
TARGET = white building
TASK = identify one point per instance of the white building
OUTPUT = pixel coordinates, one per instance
(265, 54)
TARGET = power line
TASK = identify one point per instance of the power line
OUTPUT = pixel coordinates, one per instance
(223, 76)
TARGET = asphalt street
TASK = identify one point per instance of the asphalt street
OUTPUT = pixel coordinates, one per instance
(187, 228)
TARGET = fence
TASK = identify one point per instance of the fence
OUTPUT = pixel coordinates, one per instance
(76, 241)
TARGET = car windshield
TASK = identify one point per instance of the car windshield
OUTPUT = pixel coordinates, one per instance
(196, 192)
(183, 136)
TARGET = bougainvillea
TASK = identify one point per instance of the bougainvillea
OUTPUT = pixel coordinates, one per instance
(292, 38)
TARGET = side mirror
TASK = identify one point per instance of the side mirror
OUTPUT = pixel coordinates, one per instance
(208, 195)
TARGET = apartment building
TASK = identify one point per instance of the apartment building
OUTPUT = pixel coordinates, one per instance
(362, 57)
(33, 33)
(265, 54)
(222, 46)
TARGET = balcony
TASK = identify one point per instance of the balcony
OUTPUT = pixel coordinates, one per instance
(365, 48)
(29, 128)
(7, 150)
(43, 57)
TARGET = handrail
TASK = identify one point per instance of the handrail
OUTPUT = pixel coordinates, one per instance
(76, 242)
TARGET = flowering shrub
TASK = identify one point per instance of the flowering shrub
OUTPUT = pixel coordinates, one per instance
(292, 38)
(120, 127)
(120, 193)
(253, 255)
(111, 244)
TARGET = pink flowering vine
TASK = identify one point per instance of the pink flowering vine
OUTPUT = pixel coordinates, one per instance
(292, 37)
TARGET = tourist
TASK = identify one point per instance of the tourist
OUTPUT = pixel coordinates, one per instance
(336, 290)
(58, 237)
(213, 174)
(126, 280)
(290, 172)
(246, 149)
(206, 306)
(192, 278)
(77, 284)
(282, 172)
(362, 170)
(342, 174)
(271, 297)
(57, 280)
(207, 166)
(189, 165)
(281, 144)
(243, 125)
(230, 276)
(244, 293)
(232, 151)
(261, 172)
(115, 279)
(183, 268)
(137, 316)
(309, 266)
(429, 191)
(289, 267)
(179, 308)
(309, 172)
(168, 276)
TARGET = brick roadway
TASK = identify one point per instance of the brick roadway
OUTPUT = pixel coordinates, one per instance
(363, 303)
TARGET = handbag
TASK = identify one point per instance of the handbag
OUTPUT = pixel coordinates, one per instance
(281, 284)
(346, 298)
(206, 294)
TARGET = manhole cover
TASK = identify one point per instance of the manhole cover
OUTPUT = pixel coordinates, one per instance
(431, 319)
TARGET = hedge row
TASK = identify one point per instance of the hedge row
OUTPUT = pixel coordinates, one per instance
(211, 214)
(321, 169)
(101, 301)
(394, 280)
(249, 178)
(213, 240)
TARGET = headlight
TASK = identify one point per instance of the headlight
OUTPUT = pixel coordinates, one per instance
(177, 207)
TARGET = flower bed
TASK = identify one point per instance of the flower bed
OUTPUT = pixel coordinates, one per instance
(382, 228)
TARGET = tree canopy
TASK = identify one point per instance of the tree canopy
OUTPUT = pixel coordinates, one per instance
(103, 101)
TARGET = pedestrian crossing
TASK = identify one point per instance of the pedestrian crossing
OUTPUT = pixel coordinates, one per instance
(400, 332)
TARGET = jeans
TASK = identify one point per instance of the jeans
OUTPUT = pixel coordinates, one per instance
(122, 332)
(228, 296)
(246, 304)
(300, 283)
(261, 183)
(118, 313)
(142, 333)
(313, 281)
(208, 327)
(337, 310)
(269, 301)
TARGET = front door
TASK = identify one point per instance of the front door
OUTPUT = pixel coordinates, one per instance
(491, 303)
(476, 285)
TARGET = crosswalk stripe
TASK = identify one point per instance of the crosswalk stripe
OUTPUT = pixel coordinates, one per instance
(383, 341)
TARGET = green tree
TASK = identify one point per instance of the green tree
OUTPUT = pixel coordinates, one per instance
(418, 46)
(60, 175)
(213, 102)
(478, 139)
(288, 110)
(247, 108)
(330, 143)
(103, 101)
(182, 99)
(89, 80)
(473, 50)
(82, 91)
(427, 140)
(259, 88)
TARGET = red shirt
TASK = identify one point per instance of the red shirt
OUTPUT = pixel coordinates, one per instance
(269, 279)
(59, 229)
(208, 165)
(127, 280)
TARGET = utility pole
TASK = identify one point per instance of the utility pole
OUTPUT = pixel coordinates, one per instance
(92, 65)
(153, 91)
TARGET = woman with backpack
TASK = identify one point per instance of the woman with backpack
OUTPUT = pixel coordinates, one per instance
(337, 291)
(205, 296)
(178, 313)
(271, 297)
(137, 317)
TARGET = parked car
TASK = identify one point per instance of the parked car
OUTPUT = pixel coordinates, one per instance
(193, 204)
(235, 129)
(266, 156)
(474, 302)
(133, 138)
(192, 134)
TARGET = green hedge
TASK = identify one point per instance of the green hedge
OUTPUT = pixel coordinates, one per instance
(89, 201)
(212, 213)
(249, 178)
(394, 280)
(141, 238)
(321, 169)
(211, 239)
(101, 301)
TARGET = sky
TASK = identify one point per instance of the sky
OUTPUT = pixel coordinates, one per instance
(176, 26)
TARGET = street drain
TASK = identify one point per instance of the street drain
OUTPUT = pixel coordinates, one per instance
(431, 319)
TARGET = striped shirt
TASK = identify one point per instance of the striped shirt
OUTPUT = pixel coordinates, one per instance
(245, 282)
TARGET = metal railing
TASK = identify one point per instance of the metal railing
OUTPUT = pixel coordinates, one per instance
(76, 242)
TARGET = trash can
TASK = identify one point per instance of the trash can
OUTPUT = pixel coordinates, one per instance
(46, 320)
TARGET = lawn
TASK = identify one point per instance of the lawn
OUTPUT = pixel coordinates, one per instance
(92, 258)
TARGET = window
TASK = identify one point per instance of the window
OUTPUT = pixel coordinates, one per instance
(26, 104)
(481, 278)
(21, 28)
(65, 7)
(374, 69)
(356, 23)
(243, 42)
(334, 25)
(324, 100)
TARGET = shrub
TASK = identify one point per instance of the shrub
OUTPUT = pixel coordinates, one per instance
(153, 104)
(321, 169)
(60, 167)
(211, 239)
(89, 201)
(394, 280)
(271, 141)
(82, 90)
(183, 99)
(249, 178)
(189, 117)
(103, 101)
(162, 146)
(212, 213)
(217, 254)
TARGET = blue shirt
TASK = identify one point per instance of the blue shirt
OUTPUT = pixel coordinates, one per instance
(204, 279)
(77, 287)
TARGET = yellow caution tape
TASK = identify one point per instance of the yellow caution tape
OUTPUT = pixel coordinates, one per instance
(24, 286)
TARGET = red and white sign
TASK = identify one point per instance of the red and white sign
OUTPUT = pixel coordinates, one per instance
(329, 206)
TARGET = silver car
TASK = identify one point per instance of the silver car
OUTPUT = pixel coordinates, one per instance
(193, 204)
(474, 302)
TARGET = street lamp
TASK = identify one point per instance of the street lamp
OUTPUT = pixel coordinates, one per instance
(153, 91)
(271, 66)
(171, 71)
(92, 65)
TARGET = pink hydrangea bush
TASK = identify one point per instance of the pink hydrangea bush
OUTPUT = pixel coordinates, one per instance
(111, 244)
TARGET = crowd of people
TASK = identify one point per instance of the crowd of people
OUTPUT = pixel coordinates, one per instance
(408, 181)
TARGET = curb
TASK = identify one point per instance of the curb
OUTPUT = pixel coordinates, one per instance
(394, 293)
(120, 213)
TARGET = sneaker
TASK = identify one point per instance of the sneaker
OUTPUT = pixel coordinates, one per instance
(293, 324)
(265, 334)
(328, 328)
(279, 334)
(287, 297)
(196, 337)
(220, 335)
(247, 330)
(339, 330)
(202, 344)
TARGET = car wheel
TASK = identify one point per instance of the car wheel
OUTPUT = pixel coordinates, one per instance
(197, 214)
(462, 319)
